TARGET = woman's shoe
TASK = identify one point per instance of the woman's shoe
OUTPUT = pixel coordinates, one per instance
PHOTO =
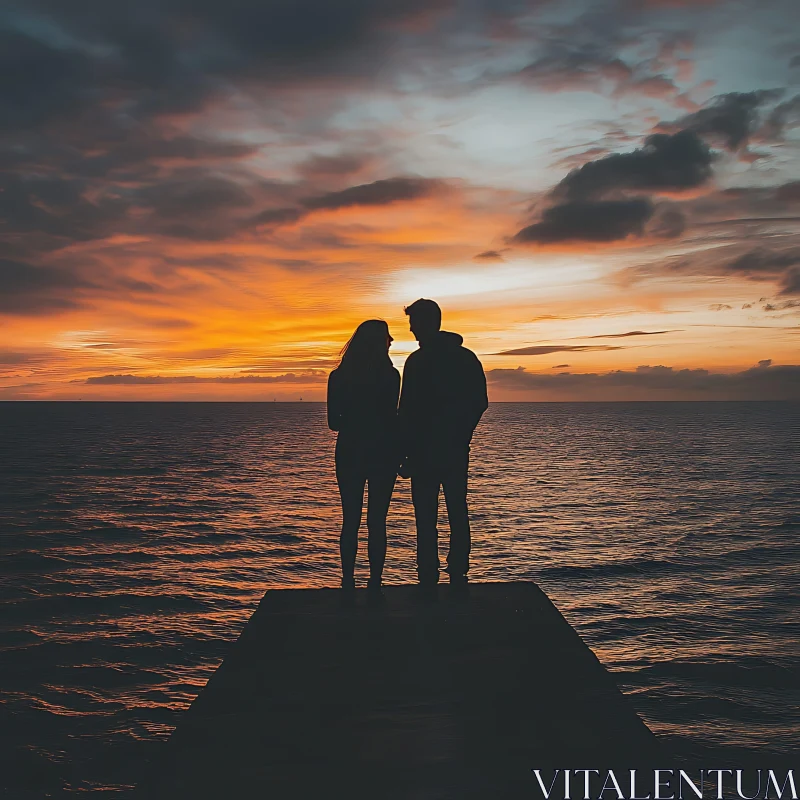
(374, 584)
(348, 583)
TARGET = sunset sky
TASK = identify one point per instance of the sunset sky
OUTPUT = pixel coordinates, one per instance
(200, 199)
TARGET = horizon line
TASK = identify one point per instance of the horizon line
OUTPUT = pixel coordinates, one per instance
(323, 402)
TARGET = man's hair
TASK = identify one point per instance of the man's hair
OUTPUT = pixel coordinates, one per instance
(425, 311)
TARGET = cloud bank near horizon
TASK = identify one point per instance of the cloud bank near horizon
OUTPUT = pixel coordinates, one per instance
(765, 381)
(762, 382)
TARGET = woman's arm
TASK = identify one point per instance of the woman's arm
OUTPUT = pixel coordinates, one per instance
(395, 389)
(335, 404)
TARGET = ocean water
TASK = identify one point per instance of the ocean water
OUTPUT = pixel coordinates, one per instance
(137, 539)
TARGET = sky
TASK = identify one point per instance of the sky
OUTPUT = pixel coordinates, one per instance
(201, 199)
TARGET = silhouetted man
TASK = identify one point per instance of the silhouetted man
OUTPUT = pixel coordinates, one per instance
(441, 402)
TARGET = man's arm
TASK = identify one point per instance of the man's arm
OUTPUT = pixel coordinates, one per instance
(407, 406)
(481, 395)
(478, 399)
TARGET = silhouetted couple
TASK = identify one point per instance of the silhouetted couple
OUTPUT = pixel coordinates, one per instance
(426, 437)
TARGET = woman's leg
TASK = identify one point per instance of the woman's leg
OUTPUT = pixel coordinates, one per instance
(351, 490)
(381, 486)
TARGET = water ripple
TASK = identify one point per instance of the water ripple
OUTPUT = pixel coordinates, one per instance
(138, 539)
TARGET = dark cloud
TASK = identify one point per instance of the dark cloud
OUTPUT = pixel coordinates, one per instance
(789, 192)
(105, 69)
(666, 163)
(763, 382)
(592, 52)
(79, 70)
(592, 221)
(790, 283)
(47, 214)
(99, 83)
(560, 366)
(93, 98)
(760, 264)
(720, 307)
(139, 154)
(545, 350)
(11, 358)
(780, 266)
(187, 198)
(689, 5)
(378, 193)
(739, 205)
(629, 333)
(313, 376)
(21, 391)
(274, 216)
(29, 289)
(783, 117)
(786, 305)
(326, 363)
(204, 207)
(38, 81)
(318, 166)
(489, 255)
(69, 281)
(296, 36)
(119, 148)
(94, 143)
(167, 53)
(570, 64)
(575, 160)
(134, 285)
(589, 204)
(668, 223)
(731, 118)
(53, 212)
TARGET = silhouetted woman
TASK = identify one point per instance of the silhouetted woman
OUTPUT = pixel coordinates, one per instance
(362, 406)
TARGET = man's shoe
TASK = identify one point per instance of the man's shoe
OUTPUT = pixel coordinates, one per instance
(348, 584)
(457, 579)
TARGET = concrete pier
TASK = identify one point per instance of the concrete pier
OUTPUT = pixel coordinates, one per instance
(460, 694)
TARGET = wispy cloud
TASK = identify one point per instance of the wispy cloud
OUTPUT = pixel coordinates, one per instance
(629, 333)
(378, 193)
(315, 376)
(544, 350)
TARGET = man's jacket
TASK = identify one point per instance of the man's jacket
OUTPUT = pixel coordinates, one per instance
(442, 399)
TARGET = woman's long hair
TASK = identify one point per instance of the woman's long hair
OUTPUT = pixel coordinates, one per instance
(366, 349)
